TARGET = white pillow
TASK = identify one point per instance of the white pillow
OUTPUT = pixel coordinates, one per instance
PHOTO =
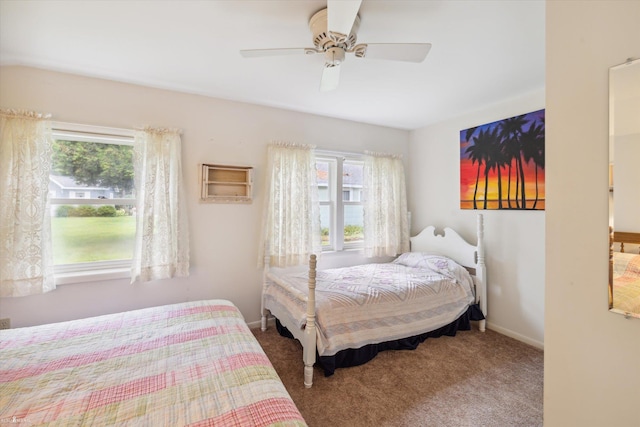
(436, 263)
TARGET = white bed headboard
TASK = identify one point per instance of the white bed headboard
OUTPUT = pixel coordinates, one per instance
(450, 244)
(464, 253)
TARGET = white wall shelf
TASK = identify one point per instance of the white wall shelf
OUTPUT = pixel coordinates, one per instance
(226, 184)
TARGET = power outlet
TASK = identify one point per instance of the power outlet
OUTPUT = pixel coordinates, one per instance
(5, 323)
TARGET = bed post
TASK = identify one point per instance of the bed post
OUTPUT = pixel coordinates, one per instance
(309, 347)
(481, 273)
(610, 267)
(263, 312)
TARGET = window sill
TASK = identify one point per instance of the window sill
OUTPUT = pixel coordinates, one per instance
(343, 251)
(92, 271)
(92, 276)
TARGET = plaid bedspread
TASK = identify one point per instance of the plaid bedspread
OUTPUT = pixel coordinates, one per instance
(194, 363)
(626, 282)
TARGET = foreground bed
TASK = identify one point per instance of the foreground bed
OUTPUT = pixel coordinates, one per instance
(344, 317)
(193, 363)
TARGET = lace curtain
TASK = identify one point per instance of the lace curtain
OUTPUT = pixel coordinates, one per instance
(26, 261)
(291, 224)
(386, 225)
(162, 239)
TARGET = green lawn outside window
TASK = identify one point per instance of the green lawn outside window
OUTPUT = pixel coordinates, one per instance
(90, 239)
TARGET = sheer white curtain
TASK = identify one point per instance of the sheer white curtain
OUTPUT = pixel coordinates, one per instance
(291, 222)
(162, 238)
(26, 261)
(386, 225)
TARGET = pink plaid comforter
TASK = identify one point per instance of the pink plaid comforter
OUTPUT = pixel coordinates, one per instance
(193, 363)
(626, 282)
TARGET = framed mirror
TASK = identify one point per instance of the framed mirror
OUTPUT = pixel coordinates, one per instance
(624, 188)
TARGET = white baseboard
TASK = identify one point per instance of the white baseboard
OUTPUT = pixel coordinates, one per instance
(254, 325)
(515, 335)
(271, 321)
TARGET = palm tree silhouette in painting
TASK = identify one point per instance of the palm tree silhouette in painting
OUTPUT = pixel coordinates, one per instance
(510, 132)
(533, 150)
(496, 161)
(478, 152)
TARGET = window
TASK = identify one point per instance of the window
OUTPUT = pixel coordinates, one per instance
(339, 181)
(92, 200)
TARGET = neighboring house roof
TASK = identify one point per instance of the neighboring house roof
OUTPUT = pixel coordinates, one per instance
(322, 173)
(69, 183)
(351, 175)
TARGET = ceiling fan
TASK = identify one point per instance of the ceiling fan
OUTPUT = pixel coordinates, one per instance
(334, 32)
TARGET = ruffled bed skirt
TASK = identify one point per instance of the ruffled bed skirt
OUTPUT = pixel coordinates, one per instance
(359, 356)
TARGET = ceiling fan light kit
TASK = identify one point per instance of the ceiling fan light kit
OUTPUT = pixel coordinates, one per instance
(333, 56)
(334, 31)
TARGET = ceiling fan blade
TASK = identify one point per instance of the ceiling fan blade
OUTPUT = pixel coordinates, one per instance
(330, 78)
(341, 14)
(409, 52)
(255, 53)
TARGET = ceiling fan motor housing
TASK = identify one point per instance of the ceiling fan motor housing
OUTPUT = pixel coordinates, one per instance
(325, 40)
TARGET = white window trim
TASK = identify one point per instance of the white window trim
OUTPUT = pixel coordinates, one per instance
(89, 133)
(100, 270)
(336, 202)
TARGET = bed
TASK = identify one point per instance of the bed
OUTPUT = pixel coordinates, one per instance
(194, 363)
(624, 275)
(344, 317)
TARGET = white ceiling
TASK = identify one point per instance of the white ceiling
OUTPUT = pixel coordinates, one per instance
(483, 52)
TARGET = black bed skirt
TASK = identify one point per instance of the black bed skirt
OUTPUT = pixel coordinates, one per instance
(359, 356)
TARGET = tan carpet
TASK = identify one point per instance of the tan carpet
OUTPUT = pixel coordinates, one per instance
(472, 379)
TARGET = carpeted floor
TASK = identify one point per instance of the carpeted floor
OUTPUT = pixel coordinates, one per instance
(472, 379)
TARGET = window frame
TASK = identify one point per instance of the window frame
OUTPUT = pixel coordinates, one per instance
(96, 270)
(336, 201)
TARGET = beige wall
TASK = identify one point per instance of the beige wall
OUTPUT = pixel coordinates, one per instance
(592, 371)
(224, 237)
(514, 240)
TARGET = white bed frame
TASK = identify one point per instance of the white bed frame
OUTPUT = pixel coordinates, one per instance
(449, 244)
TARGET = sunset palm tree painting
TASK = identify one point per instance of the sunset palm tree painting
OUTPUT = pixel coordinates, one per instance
(502, 164)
